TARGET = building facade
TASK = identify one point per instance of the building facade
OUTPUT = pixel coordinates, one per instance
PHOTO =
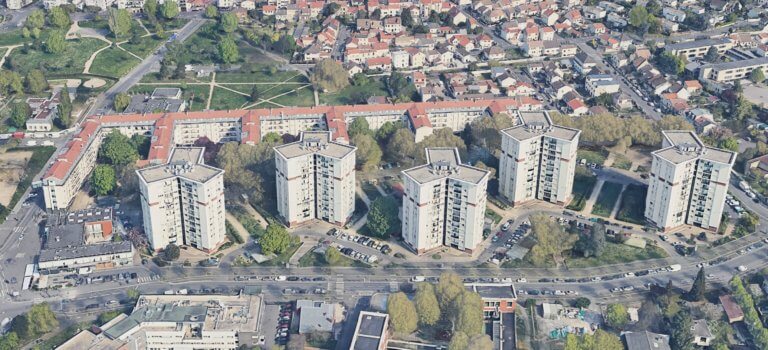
(183, 201)
(688, 182)
(444, 203)
(538, 160)
(315, 179)
(734, 70)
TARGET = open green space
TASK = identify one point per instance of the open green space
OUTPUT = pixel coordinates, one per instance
(13, 37)
(606, 200)
(302, 98)
(345, 96)
(313, 258)
(97, 22)
(225, 99)
(596, 156)
(144, 47)
(621, 161)
(282, 259)
(196, 95)
(113, 62)
(71, 61)
(632, 207)
(37, 161)
(370, 190)
(493, 216)
(262, 74)
(583, 184)
(616, 253)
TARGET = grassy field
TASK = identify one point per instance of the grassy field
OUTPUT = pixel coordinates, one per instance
(371, 191)
(197, 94)
(583, 184)
(302, 98)
(621, 161)
(96, 23)
(343, 97)
(615, 253)
(225, 99)
(606, 199)
(71, 61)
(144, 47)
(316, 259)
(113, 62)
(261, 75)
(592, 156)
(632, 207)
(13, 37)
(493, 216)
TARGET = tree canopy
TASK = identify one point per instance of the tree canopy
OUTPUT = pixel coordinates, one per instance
(59, 18)
(103, 179)
(228, 22)
(402, 313)
(120, 22)
(368, 154)
(169, 9)
(616, 316)
(551, 240)
(426, 304)
(55, 43)
(171, 252)
(383, 217)
(607, 129)
(328, 75)
(122, 100)
(36, 19)
(117, 149)
(36, 81)
(228, 51)
(276, 239)
(19, 114)
(698, 288)
(757, 76)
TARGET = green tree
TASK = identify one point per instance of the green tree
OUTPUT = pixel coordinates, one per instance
(59, 18)
(255, 94)
(36, 19)
(757, 76)
(150, 10)
(406, 18)
(132, 293)
(582, 302)
(607, 341)
(712, 55)
(9, 341)
(169, 9)
(107, 316)
(448, 288)
(480, 342)
(117, 149)
(670, 64)
(120, 22)
(19, 114)
(571, 342)
(122, 100)
(638, 16)
(211, 11)
(382, 217)
(698, 288)
(65, 108)
(25, 33)
(36, 82)
(228, 51)
(276, 239)
(55, 43)
(459, 341)
(329, 76)
(368, 154)
(426, 304)
(385, 132)
(10, 82)
(550, 240)
(402, 89)
(729, 143)
(286, 45)
(402, 313)
(681, 336)
(616, 316)
(332, 256)
(468, 307)
(593, 242)
(171, 252)
(228, 22)
(37, 321)
(103, 179)
(401, 146)
(360, 79)
(358, 126)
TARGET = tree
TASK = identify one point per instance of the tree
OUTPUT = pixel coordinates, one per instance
(19, 114)
(169, 9)
(616, 316)
(402, 313)
(357, 127)
(36, 19)
(406, 18)
(276, 239)
(329, 76)
(103, 179)
(401, 146)
(448, 288)
(285, 45)
(712, 55)
(228, 22)
(360, 79)
(593, 243)
(9, 341)
(37, 321)
(211, 11)
(638, 16)
(332, 256)
(480, 342)
(607, 341)
(120, 22)
(698, 288)
(10, 82)
(582, 302)
(121, 102)
(681, 336)
(117, 149)
(65, 108)
(132, 293)
(757, 76)
(459, 341)
(426, 304)
(59, 18)
(402, 89)
(255, 94)
(729, 143)
(468, 309)
(382, 217)
(36, 82)
(368, 155)
(670, 64)
(150, 9)
(107, 316)
(228, 51)
(550, 240)
(171, 252)
(55, 43)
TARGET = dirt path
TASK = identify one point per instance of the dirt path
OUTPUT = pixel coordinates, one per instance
(238, 227)
(130, 53)
(593, 197)
(89, 62)
(211, 85)
(7, 53)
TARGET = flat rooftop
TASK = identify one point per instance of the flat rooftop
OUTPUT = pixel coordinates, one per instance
(184, 162)
(445, 163)
(539, 124)
(684, 146)
(312, 142)
(696, 43)
(83, 251)
(370, 331)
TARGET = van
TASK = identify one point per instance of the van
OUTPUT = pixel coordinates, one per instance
(417, 279)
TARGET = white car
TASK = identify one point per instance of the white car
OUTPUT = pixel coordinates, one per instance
(522, 280)
(629, 274)
(559, 292)
(596, 279)
(742, 268)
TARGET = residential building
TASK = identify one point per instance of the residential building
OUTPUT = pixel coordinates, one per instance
(733, 311)
(161, 100)
(315, 179)
(182, 201)
(646, 341)
(17, 4)
(734, 70)
(702, 335)
(318, 316)
(598, 84)
(443, 203)
(699, 48)
(371, 331)
(688, 182)
(538, 160)
(44, 112)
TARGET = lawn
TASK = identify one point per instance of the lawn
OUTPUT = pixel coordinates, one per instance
(616, 253)
(168, 25)
(316, 259)
(592, 156)
(621, 161)
(197, 94)
(225, 99)
(97, 22)
(113, 62)
(344, 97)
(260, 73)
(40, 156)
(583, 184)
(606, 199)
(370, 190)
(13, 37)
(303, 97)
(493, 216)
(145, 46)
(71, 61)
(632, 207)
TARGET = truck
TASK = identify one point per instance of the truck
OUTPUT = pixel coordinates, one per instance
(168, 292)
(744, 186)
(675, 267)
(182, 291)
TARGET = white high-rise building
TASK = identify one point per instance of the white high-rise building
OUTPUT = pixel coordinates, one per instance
(688, 182)
(183, 201)
(444, 203)
(538, 160)
(315, 179)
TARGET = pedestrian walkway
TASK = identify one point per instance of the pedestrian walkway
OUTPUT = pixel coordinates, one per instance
(307, 243)
(593, 197)
(617, 205)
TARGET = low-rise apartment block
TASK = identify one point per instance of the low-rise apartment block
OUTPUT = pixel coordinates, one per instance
(598, 84)
(538, 160)
(734, 70)
(444, 203)
(688, 182)
(315, 179)
(44, 112)
(183, 201)
(699, 48)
